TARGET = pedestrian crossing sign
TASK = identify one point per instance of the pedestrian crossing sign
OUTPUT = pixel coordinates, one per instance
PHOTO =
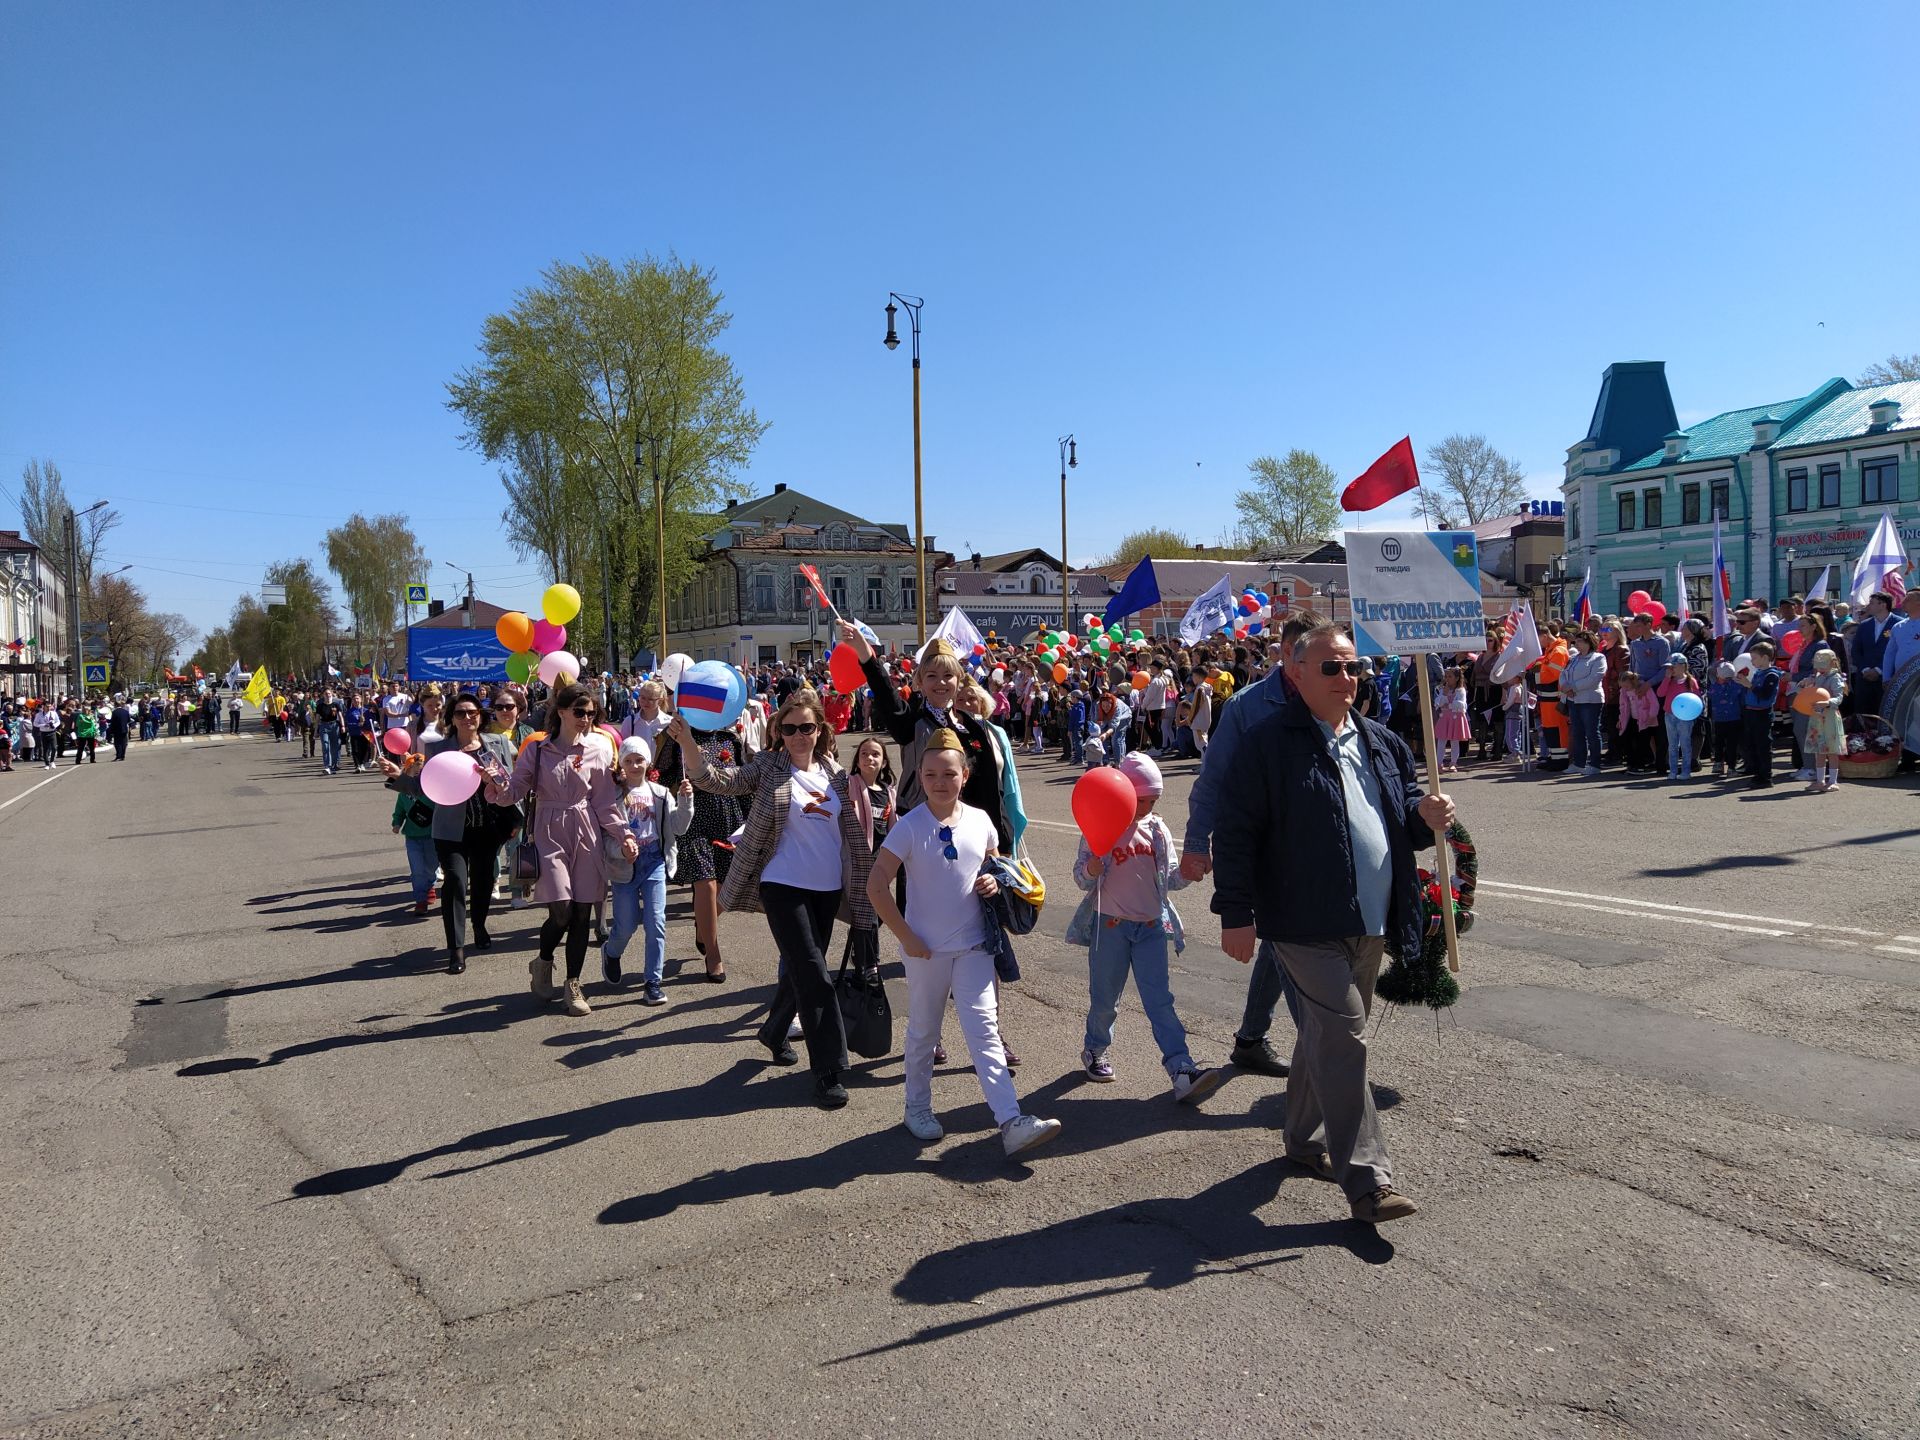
(416, 594)
(96, 672)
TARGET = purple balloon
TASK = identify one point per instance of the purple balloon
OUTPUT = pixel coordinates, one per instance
(548, 637)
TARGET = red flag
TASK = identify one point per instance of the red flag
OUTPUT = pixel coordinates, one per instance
(1392, 474)
(813, 579)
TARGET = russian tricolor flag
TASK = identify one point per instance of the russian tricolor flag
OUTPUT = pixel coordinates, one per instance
(700, 696)
(1583, 607)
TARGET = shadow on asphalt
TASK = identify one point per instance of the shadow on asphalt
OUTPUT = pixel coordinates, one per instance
(1165, 1243)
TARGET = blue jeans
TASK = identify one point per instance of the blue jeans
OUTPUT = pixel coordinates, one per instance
(1586, 733)
(1139, 947)
(422, 864)
(1679, 746)
(645, 893)
(330, 744)
(1117, 746)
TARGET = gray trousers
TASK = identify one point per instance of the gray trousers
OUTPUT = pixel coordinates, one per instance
(1329, 1107)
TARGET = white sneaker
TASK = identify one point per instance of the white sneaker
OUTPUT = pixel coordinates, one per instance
(1025, 1132)
(1190, 1087)
(794, 1032)
(1591, 771)
(922, 1125)
(1803, 774)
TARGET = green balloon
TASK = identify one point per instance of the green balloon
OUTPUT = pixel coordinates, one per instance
(1136, 636)
(520, 666)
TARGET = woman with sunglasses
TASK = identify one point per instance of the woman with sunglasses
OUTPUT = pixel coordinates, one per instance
(802, 859)
(575, 802)
(466, 837)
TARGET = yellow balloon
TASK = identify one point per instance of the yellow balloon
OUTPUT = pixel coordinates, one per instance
(560, 604)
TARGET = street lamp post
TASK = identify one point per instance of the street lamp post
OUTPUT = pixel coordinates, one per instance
(912, 304)
(652, 444)
(73, 591)
(1069, 460)
(1791, 552)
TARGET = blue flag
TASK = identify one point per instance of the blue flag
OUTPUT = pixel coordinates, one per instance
(1213, 610)
(1140, 591)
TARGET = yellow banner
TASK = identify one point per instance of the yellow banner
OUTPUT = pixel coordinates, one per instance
(258, 688)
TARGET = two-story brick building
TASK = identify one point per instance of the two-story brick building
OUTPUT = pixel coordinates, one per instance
(748, 601)
(1799, 485)
(32, 607)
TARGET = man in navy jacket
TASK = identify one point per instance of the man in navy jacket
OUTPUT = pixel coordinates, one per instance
(1313, 850)
(1867, 648)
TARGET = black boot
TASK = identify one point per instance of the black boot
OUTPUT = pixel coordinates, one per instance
(456, 961)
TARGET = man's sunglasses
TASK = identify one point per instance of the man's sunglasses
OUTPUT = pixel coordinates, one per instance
(805, 728)
(1354, 668)
(946, 837)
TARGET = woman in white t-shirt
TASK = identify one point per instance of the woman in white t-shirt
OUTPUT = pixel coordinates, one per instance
(941, 844)
(802, 858)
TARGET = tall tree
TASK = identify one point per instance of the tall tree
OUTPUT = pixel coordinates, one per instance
(291, 637)
(138, 639)
(1289, 501)
(1468, 481)
(43, 519)
(593, 359)
(1160, 542)
(375, 560)
(1892, 370)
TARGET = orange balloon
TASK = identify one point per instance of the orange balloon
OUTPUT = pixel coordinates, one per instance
(1059, 674)
(1140, 681)
(515, 631)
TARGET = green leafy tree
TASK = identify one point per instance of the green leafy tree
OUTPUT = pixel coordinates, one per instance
(586, 364)
(1289, 501)
(1163, 543)
(1892, 370)
(375, 559)
(1466, 481)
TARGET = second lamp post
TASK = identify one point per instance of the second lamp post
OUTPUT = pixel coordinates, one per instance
(1069, 460)
(892, 342)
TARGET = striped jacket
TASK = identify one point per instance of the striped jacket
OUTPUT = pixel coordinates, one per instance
(768, 778)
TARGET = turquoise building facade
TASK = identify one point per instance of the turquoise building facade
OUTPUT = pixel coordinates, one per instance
(1799, 484)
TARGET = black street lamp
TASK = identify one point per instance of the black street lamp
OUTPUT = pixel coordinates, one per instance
(892, 342)
(1069, 460)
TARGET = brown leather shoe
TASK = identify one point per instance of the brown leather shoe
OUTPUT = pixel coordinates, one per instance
(1383, 1205)
(1316, 1162)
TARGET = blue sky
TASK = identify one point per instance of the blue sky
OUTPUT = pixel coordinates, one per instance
(246, 246)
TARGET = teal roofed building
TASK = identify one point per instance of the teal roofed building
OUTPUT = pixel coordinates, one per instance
(1798, 484)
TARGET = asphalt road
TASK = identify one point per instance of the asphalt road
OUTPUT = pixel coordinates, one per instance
(269, 1172)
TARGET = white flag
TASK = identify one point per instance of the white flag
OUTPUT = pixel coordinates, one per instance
(1884, 556)
(1519, 652)
(1680, 591)
(1212, 611)
(958, 631)
(1819, 590)
(235, 675)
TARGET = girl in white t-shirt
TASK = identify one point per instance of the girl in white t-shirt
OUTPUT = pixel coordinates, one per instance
(941, 845)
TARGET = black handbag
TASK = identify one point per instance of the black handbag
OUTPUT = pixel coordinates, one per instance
(864, 1006)
(526, 855)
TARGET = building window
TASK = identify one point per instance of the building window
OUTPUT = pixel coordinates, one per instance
(1801, 578)
(763, 591)
(1573, 520)
(1652, 507)
(876, 595)
(1796, 489)
(1626, 510)
(1879, 481)
(909, 594)
(1689, 504)
(1829, 487)
(1700, 596)
(837, 592)
(1627, 587)
(1717, 493)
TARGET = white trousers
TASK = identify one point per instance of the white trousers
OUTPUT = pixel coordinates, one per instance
(968, 976)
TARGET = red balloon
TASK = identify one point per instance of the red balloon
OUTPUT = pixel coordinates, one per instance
(844, 666)
(1638, 601)
(1103, 806)
(1654, 611)
(906, 665)
(1792, 641)
(979, 649)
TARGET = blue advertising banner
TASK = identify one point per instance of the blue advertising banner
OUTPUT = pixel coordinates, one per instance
(454, 656)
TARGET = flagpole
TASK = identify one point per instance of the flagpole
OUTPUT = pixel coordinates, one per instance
(1443, 867)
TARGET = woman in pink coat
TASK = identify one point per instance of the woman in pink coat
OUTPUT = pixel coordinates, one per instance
(576, 802)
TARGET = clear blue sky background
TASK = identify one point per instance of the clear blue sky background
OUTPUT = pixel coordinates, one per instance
(246, 246)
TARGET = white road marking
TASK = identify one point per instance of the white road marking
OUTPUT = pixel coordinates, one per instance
(1898, 950)
(63, 770)
(1614, 901)
(1610, 909)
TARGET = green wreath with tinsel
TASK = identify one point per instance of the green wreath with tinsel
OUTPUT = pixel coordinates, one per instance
(1424, 979)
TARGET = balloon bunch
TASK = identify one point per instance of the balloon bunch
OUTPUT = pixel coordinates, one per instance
(538, 647)
(1641, 603)
(1255, 611)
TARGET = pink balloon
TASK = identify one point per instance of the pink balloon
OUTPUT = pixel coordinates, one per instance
(548, 637)
(396, 741)
(449, 778)
(557, 664)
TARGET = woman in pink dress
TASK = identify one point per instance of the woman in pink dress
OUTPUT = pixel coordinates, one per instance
(576, 802)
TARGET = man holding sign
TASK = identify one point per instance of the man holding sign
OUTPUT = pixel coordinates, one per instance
(1313, 851)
